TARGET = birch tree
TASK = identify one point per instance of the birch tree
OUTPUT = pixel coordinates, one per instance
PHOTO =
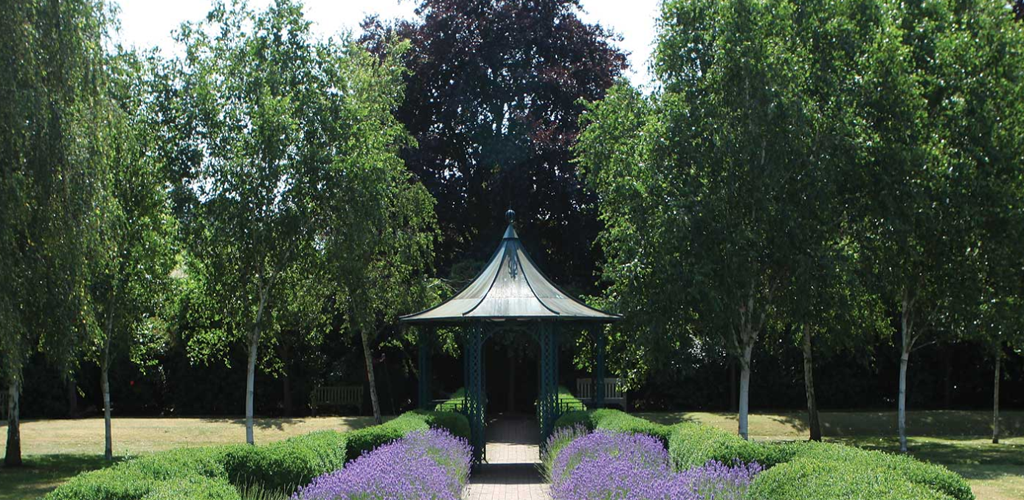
(133, 257)
(49, 88)
(940, 141)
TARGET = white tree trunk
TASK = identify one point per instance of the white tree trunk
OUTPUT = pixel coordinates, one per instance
(995, 397)
(744, 404)
(250, 385)
(12, 457)
(377, 418)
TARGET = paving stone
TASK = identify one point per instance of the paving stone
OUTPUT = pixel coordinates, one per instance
(512, 471)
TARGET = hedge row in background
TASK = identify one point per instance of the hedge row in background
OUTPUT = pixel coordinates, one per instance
(457, 401)
(794, 471)
(216, 472)
(615, 420)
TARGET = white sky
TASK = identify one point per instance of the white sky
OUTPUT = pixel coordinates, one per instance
(148, 23)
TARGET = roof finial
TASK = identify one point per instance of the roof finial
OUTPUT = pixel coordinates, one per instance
(510, 216)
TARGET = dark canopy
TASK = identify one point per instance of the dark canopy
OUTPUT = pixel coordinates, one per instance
(511, 287)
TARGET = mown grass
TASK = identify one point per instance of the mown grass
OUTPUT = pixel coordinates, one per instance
(960, 440)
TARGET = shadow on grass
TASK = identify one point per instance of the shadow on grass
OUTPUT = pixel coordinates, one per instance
(280, 423)
(42, 473)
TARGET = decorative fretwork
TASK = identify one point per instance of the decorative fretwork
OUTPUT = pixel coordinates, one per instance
(547, 402)
(599, 387)
(474, 382)
(424, 336)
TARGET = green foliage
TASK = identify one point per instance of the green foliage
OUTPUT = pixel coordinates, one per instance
(693, 445)
(363, 440)
(614, 420)
(455, 423)
(832, 479)
(285, 465)
(193, 488)
(932, 476)
(265, 471)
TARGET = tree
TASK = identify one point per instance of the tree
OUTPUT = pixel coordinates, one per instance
(48, 91)
(716, 171)
(380, 223)
(940, 147)
(134, 256)
(284, 149)
(494, 90)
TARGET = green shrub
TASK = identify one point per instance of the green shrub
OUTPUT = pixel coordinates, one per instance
(363, 440)
(205, 461)
(455, 423)
(137, 478)
(193, 488)
(285, 465)
(693, 445)
(114, 483)
(613, 420)
(931, 476)
(815, 479)
(574, 418)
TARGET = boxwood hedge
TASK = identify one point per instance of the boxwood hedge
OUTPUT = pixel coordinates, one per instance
(215, 473)
(614, 420)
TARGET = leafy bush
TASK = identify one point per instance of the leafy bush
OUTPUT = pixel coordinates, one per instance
(276, 467)
(560, 438)
(368, 438)
(823, 479)
(693, 445)
(114, 483)
(455, 423)
(285, 465)
(932, 476)
(194, 488)
(614, 420)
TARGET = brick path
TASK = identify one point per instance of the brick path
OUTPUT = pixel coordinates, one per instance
(513, 458)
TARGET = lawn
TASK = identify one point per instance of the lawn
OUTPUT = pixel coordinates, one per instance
(55, 450)
(960, 440)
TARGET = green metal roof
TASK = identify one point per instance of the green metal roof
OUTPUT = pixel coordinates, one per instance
(511, 287)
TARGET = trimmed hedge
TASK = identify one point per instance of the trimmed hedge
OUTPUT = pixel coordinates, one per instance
(194, 487)
(285, 465)
(931, 476)
(811, 479)
(368, 438)
(693, 445)
(795, 471)
(614, 420)
(215, 473)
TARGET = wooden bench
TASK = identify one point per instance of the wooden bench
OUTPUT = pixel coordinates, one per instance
(337, 396)
(614, 392)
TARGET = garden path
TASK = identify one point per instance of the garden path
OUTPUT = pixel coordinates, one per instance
(513, 460)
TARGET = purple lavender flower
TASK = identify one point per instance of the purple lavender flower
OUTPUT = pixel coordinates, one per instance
(423, 465)
(621, 466)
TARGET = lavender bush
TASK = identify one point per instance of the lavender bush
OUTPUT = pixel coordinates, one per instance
(423, 465)
(621, 466)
